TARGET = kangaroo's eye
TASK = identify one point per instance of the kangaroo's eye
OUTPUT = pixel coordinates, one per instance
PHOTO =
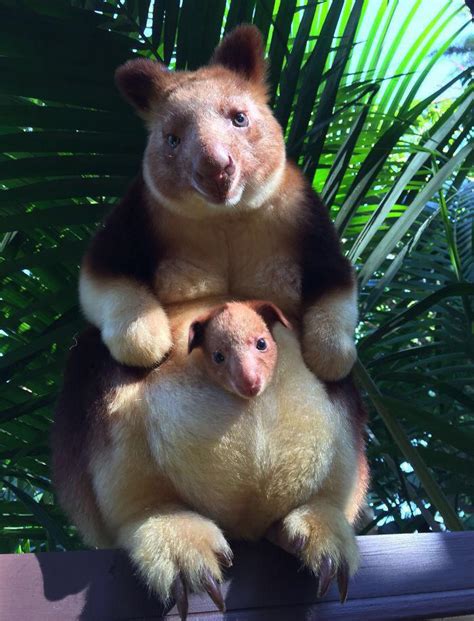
(240, 119)
(218, 357)
(262, 344)
(173, 140)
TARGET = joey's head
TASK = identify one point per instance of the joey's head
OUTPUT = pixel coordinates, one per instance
(240, 353)
(214, 144)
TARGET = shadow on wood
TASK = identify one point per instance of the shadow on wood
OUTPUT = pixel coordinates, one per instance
(401, 577)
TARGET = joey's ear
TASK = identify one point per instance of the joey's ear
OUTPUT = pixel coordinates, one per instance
(269, 313)
(242, 51)
(142, 82)
(196, 334)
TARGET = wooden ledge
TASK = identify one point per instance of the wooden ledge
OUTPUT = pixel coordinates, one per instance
(401, 577)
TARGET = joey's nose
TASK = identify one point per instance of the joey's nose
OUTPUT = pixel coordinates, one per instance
(250, 385)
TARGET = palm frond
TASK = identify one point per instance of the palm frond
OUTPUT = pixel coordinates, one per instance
(393, 166)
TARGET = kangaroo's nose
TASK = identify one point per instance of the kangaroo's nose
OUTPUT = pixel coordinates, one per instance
(215, 163)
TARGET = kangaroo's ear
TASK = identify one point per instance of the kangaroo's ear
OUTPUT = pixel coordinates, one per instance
(196, 334)
(270, 313)
(242, 51)
(142, 83)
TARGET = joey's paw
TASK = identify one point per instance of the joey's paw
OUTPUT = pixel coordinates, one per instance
(141, 342)
(182, 553)
(330, 359)
(325, 542)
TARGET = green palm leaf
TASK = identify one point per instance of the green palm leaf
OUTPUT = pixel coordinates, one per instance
(393, 163)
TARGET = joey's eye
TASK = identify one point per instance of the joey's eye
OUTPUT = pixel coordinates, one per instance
(172, 140)
(240, 119)
(262, 344)
(218, 357)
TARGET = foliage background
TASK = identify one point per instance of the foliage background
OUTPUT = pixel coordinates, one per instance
(392, 164)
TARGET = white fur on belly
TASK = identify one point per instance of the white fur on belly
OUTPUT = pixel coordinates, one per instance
(221, 451)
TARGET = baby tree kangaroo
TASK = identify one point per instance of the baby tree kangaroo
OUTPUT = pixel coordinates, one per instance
(239, 350)
(168, 460)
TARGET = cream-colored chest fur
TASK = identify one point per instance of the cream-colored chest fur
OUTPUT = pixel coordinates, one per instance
(245, 463)
(249, 256)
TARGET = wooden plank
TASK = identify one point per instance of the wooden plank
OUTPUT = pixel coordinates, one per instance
(401, 577)
(372, 609)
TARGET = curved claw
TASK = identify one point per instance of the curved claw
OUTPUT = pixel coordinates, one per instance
(298, 544)
(214, 591)
(326, 574)
(224, 559)
(180, 594)
(343, 581)
(278, 536)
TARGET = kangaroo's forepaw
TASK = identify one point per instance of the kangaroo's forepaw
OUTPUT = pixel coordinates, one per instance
(141, 342)
(330, 359)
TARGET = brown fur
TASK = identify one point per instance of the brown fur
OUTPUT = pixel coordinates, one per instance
(221, 213)
(132, 228)
(162, 459)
